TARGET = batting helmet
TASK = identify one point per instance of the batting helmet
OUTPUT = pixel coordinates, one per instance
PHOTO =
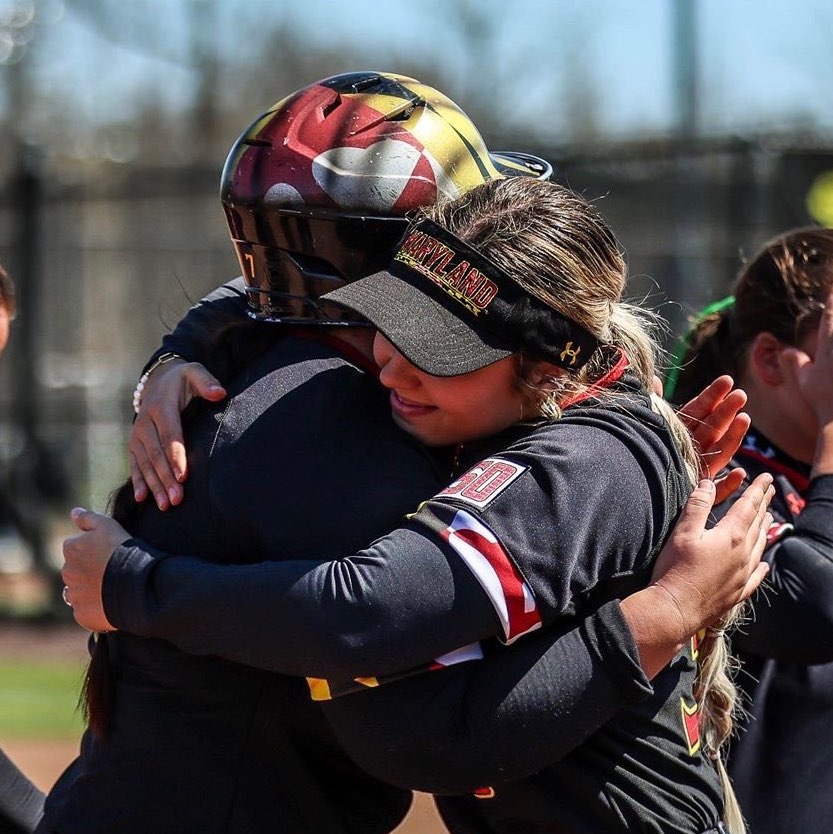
(317, 190)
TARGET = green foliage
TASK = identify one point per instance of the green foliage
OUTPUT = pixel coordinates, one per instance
(39, 700)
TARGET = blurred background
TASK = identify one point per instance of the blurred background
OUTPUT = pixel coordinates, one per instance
(700, 127)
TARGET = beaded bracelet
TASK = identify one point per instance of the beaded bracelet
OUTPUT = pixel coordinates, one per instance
(160, 360)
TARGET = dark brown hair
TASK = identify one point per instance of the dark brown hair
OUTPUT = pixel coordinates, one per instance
(8, 296)
(780, 291)
(553, 242)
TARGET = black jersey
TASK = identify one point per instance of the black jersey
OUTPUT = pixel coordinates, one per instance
(780, 763)
(200, 745)
(302, 459)
(554, 521)
(551, 531)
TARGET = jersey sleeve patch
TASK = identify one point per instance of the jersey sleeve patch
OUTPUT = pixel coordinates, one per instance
(691, 725)
(481, 484)
(488, 560)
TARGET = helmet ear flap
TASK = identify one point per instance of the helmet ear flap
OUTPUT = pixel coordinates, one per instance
(317, 190)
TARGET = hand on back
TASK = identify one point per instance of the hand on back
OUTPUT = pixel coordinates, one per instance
(85, 560)
(705, 573)
(717, 425)
(156, 449)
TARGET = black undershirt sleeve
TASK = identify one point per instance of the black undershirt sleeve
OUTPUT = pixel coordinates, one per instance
(400, 603)
(194, 336)
(498, 719)
(793, 611)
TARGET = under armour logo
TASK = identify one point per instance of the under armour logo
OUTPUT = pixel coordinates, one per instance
(570, 352)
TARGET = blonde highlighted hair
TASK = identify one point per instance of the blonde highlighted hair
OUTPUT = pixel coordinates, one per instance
(552, 242)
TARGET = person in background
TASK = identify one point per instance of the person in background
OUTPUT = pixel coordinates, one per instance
(21, 803)
(531, 401)
(8, 306)
(775, 335)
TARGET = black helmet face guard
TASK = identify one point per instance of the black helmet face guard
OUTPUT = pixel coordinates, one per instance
(298, 258)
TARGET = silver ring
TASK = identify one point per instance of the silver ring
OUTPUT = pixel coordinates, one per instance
(64, 596)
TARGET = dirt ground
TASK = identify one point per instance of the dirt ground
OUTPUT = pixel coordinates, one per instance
(44, 760)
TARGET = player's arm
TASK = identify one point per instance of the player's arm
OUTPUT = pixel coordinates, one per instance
(397, 604)
(194, 336)
(405, 600)
(185, 367)
(792, 613)
(522, 708)
(21, 803)
(410, 597)
(402, 602)
(497, 719)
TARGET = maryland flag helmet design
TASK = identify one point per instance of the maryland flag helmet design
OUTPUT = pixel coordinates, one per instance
(317, 190)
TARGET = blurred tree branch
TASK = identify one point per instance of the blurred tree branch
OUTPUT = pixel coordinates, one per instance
(133, 26)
